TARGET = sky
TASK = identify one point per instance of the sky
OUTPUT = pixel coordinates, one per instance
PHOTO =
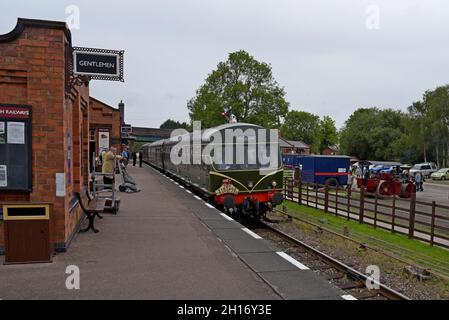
(331, 57)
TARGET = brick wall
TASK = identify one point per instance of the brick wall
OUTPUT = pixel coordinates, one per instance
(103, 116)
(32, 71)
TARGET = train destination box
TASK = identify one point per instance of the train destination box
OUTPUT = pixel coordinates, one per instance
(27, 233)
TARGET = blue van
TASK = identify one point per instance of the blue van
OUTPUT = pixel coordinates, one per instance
(320, 169)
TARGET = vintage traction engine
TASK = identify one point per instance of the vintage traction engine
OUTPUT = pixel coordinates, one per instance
(388, 184)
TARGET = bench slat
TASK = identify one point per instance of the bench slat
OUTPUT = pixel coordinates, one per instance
(96, 205)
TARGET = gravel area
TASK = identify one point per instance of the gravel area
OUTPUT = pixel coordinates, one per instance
(350, 253)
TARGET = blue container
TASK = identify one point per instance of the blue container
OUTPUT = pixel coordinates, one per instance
(320, 169)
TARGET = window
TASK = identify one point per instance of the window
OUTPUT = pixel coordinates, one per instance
(92, 135)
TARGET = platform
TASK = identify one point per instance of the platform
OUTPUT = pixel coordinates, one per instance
(167, 243)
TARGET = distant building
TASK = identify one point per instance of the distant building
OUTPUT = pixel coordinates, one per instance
(330, 151)
(140, 135)
(293, 147)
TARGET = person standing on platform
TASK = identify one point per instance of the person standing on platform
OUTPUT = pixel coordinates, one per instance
(140, 158)
(134, 158)
(108, 168)
(125, 156)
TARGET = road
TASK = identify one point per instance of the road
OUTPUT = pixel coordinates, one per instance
(434, 192)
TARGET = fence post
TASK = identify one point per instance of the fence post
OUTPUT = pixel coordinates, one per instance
(411, 228)
(393, 214)
(349, 204)
(285, 189)
(299, 191)
(336, 201)
(432, 224)
(362, 204)
(290, 189)
(326, 198)
(376, 198)
(307, 191)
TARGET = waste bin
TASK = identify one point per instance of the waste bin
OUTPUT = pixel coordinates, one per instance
(27, 233)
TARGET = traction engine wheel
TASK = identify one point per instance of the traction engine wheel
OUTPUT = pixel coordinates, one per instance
(384, 188)
(407, 189)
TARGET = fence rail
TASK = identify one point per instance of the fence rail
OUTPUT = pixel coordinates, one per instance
(426, 221)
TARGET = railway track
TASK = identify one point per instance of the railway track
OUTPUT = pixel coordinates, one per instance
(351, 281)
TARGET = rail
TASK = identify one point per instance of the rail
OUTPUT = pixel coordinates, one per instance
(383, 290)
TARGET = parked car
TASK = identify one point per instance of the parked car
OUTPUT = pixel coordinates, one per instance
(442, 174)
(391, 170)
(376, 168)
(426, 169)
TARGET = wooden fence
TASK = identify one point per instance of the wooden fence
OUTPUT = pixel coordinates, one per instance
(426, 221)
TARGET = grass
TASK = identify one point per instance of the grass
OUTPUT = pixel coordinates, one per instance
(402, 206)
(410, 249)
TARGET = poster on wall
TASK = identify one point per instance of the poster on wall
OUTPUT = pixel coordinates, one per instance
(103, 140)
(16, 132)
(2, 133)
(3, 177)
(15, 148)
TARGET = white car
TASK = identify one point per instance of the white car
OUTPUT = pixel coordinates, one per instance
(426, 169)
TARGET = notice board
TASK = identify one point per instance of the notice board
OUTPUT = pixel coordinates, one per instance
(15, 148)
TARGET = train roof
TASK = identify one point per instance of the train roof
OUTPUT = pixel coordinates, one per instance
(207, 132)
(318, 156)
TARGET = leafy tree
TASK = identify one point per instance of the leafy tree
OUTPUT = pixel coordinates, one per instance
(303, 126)
(172, 124)
(328, 133)
(374, 134)
(430, 119)
(246, 87)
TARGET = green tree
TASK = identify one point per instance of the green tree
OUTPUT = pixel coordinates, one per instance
(374, 134)
(328, 133)
(246, 87)
(172, 124)
(302, 126)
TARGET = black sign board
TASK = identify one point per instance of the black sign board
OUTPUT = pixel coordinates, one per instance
(126, 128)
(15, 147)
(98, 64)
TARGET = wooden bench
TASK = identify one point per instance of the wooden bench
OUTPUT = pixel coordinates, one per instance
(94, 208)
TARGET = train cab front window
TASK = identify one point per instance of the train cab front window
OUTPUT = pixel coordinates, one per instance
(246, 158)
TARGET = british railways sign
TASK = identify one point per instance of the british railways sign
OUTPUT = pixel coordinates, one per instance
(98, 63)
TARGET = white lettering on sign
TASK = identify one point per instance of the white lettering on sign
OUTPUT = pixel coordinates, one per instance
(96, 64)
(14, 112)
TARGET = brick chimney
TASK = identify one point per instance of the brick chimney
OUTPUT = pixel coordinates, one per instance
(121, 107)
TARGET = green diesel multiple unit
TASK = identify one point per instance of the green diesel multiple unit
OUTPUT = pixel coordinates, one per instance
(237, 166)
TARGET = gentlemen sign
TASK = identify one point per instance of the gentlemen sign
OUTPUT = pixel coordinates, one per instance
(98, 64)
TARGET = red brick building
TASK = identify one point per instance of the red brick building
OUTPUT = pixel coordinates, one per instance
(293, 147)
(330, 151)
(34, 60)
(104, 127)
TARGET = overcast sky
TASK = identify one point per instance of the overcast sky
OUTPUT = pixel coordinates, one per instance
(331, 56)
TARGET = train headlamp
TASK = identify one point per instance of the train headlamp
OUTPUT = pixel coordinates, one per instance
(274, 184)
(250, 184)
